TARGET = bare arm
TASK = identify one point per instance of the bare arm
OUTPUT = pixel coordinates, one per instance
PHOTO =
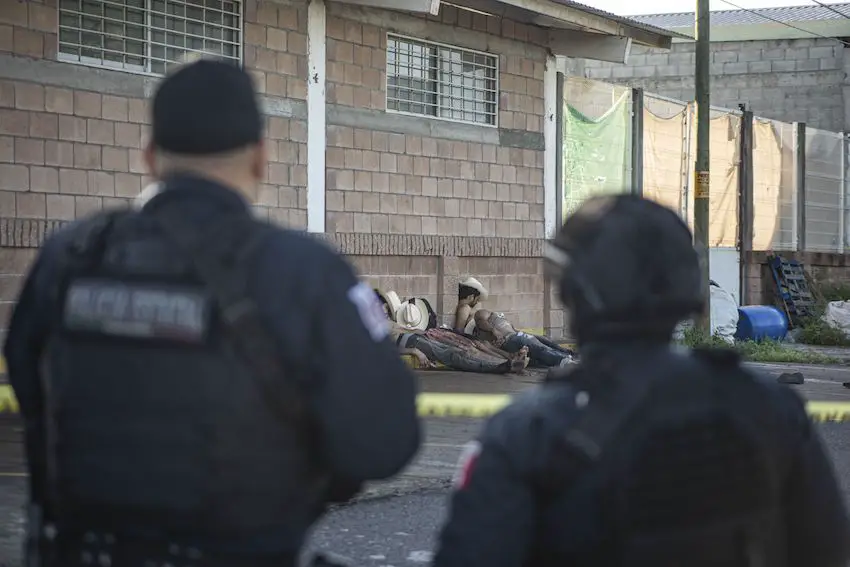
(420, 356)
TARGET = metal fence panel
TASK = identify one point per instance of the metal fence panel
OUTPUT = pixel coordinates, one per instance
(665, 151)
(824, 191)
(723, 187)
(774, 198)
(597, 159)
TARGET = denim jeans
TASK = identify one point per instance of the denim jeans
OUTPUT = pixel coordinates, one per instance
(538, 353)
(456, 358)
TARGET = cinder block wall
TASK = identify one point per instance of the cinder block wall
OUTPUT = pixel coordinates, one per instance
(792, 80)
(824, 268)
(416, 203)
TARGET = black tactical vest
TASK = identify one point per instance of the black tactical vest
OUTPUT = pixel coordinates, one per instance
(157, 419)
(687, 468)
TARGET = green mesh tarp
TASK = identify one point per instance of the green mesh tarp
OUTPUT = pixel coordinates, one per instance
(596, 154)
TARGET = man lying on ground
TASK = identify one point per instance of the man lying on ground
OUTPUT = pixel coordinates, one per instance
(429, 346)
(490, 327)
(496, 329)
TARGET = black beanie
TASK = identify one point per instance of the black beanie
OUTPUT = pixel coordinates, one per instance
(206, 107)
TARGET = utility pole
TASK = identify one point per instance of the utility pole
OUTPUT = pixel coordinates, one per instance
(703, 158)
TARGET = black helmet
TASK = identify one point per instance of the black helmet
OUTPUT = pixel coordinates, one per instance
(627, 268)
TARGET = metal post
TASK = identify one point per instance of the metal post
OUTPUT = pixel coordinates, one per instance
(687, 142)
(559, 183)
(703, 157)
(559, 147)
(800, 183)
(745, 201)
(842, 226)
(637, 141)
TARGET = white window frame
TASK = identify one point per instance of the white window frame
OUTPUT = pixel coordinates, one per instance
(146, 69)
(437, 93)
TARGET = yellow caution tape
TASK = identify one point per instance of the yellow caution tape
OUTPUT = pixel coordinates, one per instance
(484, 405)
(460, 405)
(8, 402)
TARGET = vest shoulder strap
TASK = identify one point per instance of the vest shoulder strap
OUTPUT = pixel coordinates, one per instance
(600, 419)
(85, 248)
(224, 257)
(603, 416)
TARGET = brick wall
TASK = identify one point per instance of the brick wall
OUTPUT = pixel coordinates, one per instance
(824, 268)
(790, 80)
(404, 175)
(515, 284)
(392, 178)
(417, 203)
(71, 136)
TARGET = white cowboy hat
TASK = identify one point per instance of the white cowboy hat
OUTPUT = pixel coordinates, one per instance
(412, 316)
(476, 285)
(392, 301)
(146, 195)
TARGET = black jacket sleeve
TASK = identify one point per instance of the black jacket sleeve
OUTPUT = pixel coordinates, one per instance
(367, 394)
(25, 342)
(492, 516)
(364, 395)
(818, 529)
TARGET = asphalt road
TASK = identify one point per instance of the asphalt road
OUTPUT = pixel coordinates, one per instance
(396, 522)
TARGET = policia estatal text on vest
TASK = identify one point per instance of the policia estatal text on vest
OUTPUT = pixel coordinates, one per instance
(197, 386)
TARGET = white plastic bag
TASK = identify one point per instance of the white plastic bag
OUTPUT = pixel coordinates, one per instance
(724, 314)
(837, 316)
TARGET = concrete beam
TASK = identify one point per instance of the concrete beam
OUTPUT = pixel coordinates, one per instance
(590, 45)
(418, 6)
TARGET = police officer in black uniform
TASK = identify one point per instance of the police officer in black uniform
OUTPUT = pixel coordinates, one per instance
(197, 385)
(644, 455)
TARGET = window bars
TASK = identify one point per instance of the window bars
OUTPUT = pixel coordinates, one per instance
(446, 82)
(147, 36)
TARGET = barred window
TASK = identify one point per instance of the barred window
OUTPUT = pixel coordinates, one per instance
(441, 81)
(147, 36)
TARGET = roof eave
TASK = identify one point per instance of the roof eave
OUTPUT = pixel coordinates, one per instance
(595, 21)
(555, 16)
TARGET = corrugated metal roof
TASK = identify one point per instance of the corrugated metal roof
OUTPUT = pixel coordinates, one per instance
(789, 15)
(634, 22)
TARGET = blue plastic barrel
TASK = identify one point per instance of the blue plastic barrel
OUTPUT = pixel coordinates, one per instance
(760, 322)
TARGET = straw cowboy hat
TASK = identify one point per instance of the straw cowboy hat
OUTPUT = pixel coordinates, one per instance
(391, 300)
(412, 315)
(476, 285)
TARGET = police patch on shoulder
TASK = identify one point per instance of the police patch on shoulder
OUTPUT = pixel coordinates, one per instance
(465, 464)
(142, 311)
(371, 313)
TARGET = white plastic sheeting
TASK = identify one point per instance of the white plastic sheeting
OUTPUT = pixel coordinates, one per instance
(837, 315)
(724, 314)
